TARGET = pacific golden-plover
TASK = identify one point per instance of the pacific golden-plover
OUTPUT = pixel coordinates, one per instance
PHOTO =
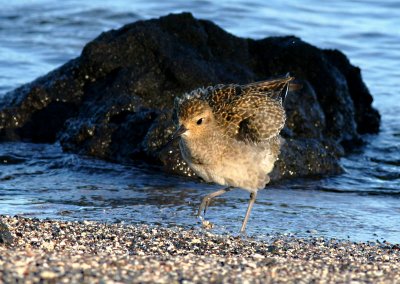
(229, 134)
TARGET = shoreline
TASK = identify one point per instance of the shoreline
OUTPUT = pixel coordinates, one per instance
(49, 251)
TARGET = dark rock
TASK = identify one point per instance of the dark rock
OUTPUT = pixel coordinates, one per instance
(115, 101)
(367, 118)
(5, 235)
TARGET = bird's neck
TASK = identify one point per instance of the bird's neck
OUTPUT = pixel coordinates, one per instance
(202, 150)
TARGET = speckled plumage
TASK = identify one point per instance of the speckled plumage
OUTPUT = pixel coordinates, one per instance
(250, 112)
(230, 133)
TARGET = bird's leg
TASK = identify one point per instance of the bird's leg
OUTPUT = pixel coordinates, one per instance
(206, 200)
(253, 196)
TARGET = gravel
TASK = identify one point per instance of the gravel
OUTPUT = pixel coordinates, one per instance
(48, 251)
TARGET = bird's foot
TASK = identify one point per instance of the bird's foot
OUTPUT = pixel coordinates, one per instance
(243, 234)
(207, 225)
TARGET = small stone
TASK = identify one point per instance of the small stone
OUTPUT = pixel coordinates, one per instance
(207, 225)
(195, 241)
(258, 256)
(5, 235)
(48, 245)
(48, 274)
(272, 249)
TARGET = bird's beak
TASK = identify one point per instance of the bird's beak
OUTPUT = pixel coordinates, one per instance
(182, 129)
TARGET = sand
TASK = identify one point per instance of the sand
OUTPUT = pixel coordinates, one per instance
(48, 251)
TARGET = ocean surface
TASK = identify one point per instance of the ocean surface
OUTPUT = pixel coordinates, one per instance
(362, 204)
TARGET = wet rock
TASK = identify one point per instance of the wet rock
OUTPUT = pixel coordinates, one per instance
(5, 235)
(115, 101)
(367, 118)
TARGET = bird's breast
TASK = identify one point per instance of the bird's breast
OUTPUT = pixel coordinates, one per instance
(230, 163)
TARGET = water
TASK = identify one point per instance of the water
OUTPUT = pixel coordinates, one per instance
(362, 204)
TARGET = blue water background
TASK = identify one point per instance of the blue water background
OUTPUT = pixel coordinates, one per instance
(362, 204)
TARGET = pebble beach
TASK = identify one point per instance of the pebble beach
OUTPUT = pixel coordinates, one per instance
(48, 251)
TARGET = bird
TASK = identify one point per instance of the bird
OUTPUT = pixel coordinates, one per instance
(229, 134)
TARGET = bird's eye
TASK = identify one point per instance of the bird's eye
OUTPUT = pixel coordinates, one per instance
(200, 121)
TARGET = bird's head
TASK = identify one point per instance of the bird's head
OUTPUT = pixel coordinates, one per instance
(195, 119)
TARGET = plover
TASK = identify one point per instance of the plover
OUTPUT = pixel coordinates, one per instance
(229, 134)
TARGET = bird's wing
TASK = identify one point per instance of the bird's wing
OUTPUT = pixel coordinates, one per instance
(253, 112)
(275, 88)
(261, 117)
